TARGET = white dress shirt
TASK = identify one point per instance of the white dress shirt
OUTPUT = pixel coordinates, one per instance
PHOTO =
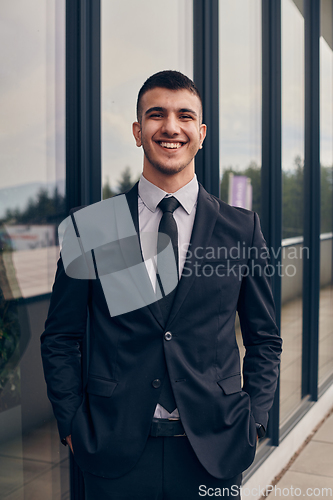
(149, 219)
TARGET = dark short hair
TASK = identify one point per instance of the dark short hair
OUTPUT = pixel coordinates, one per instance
(167, 79)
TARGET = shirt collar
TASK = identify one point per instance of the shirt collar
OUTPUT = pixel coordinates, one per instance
(151, 195)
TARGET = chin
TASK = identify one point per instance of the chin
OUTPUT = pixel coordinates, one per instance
(169, 170)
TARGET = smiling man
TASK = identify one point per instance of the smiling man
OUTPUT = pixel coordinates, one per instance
(164, 413)
(171, 131)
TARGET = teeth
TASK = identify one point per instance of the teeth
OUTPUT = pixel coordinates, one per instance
(171, 145)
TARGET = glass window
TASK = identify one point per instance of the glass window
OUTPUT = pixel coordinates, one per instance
(154, 37)
(240, 102)
(293, 252)
(326, 162)
(33, 463)
(240, 107)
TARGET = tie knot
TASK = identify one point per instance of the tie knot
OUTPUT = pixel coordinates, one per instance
(169, 204)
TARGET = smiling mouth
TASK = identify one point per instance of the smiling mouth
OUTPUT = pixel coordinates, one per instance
(170, 145)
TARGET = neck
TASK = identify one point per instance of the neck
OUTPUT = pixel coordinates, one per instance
(169, 183)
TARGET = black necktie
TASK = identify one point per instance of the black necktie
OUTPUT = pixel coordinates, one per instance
(168, 226)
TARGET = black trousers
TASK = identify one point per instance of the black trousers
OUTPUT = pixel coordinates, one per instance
(167, 470)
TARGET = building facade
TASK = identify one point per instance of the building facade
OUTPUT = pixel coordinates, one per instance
(71, 70)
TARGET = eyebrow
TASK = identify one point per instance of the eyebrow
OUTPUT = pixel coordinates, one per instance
(160, 108)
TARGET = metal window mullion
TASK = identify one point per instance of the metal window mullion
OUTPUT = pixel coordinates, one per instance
(90, 102)
(271, 172)
(73, 187)
(205, 69)
(311, 273)
(84, 81)
(83, 132)
(83, 113)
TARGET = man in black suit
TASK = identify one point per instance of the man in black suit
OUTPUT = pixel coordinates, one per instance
(163, 413)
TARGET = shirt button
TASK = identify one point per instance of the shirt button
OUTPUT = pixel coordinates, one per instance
(156, 383)
(168, 336)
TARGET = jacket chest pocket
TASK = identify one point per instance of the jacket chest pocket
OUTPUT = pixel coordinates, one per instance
(224, 276)
(230, 268)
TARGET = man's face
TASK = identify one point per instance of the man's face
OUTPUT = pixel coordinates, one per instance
(170, 129)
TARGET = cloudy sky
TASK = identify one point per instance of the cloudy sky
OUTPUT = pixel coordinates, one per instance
(31, 91)
(138, 39)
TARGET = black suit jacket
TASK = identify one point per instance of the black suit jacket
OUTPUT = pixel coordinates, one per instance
(109, 418)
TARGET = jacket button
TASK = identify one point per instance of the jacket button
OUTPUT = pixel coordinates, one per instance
(156, 383)
(168, 336)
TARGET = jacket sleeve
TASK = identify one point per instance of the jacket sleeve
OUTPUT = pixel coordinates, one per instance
(259, 330)
(61, 343)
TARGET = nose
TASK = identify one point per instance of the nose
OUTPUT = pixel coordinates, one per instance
(170, 126)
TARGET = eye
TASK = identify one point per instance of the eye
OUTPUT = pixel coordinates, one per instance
(186, 117)
(155, 115)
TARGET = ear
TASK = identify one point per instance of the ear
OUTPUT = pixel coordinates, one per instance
(137, 133)
(203, 131)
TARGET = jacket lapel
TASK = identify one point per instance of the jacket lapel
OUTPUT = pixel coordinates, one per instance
(132, 200)
(204, 223)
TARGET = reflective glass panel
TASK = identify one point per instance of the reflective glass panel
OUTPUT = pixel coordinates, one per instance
(240, 102)
(138, 39)
(293, 252)
(240, 107)
(33, 463)
(326, 161)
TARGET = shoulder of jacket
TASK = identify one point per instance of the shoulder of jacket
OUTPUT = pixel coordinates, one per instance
(229, 209)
